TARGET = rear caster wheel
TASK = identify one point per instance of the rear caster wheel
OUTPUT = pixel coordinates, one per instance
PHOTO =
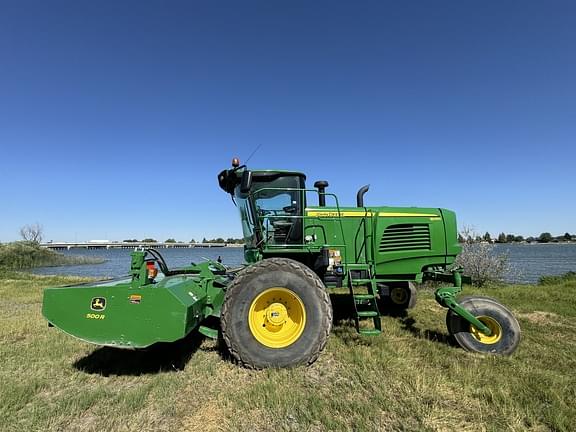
(505, 329)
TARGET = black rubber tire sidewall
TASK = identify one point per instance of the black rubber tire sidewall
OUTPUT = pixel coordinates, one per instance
(269, 273)
(389, 305)
(485, 306)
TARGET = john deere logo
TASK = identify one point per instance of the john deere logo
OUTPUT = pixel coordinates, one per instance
(98, 304)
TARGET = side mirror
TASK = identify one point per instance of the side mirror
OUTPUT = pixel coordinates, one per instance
(246, 182)
(227, 181)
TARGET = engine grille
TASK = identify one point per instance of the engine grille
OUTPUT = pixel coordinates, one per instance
(405, 237)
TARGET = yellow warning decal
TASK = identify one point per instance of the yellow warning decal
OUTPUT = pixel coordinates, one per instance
(335, 213)
(135, 298)
(388, 214)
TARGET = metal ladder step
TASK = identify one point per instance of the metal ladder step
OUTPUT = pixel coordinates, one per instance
(364, 296)
(358, 266)
(367, 313)
(361, 281)
(370, 332)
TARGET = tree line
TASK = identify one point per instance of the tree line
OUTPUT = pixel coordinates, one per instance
(467, 237)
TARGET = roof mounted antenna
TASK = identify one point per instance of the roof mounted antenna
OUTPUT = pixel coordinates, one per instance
(253, 153)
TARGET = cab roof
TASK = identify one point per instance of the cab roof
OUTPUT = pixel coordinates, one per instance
(275, 173)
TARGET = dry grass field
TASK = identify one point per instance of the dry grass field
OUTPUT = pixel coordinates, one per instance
(409, 378)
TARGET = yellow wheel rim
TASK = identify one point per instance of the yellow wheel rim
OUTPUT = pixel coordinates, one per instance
(493, 325)
(277, 317)
(398, 295)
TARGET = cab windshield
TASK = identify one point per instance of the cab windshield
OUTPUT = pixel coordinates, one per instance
(274, 208)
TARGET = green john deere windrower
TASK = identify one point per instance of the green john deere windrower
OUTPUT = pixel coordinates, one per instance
(275, 311)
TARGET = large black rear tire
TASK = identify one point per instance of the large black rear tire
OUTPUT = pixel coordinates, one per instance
(276, 313)
(505, 328)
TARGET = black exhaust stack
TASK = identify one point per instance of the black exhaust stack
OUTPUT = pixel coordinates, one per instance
(321, 185)
(360, 196)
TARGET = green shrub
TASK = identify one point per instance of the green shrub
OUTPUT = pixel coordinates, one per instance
(483, 264)
(553, 280)
(25, 255)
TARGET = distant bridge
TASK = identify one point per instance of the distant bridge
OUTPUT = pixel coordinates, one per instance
(132, 245)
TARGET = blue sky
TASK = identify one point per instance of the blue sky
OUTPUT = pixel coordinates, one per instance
(115, 117)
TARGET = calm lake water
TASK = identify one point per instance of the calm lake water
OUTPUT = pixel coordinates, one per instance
(529, 261)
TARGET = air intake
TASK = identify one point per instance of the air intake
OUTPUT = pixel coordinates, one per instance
(405, 237)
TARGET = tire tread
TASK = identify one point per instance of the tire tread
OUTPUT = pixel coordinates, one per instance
(270, 265)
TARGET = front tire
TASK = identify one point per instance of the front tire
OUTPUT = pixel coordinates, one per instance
(506, 332)
(276, 313)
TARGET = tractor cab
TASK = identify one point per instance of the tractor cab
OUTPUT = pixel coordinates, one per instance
(271, 205)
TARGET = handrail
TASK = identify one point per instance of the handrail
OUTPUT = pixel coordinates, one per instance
(253, 194)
